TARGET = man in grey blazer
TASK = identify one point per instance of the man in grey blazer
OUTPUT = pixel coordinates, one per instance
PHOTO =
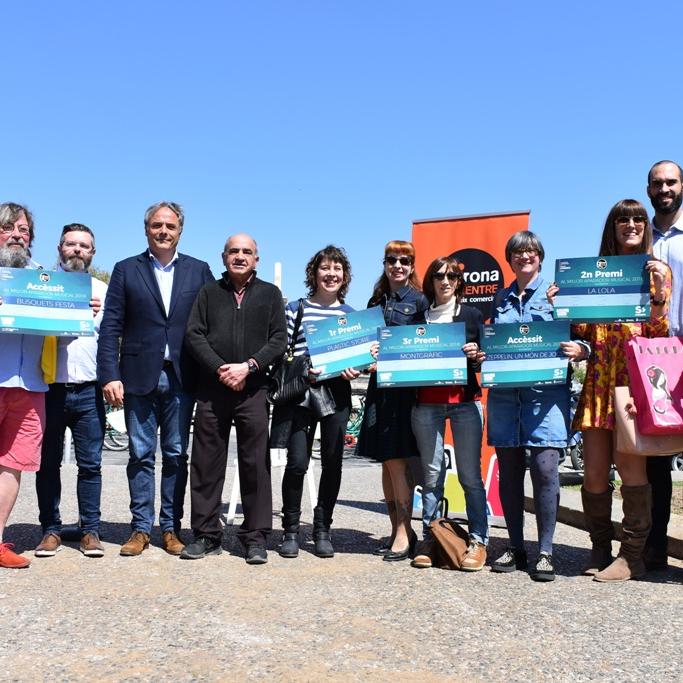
(141, 366)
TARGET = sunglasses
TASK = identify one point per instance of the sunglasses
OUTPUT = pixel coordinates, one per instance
(626, 220)
(450, 275)
(403, 260)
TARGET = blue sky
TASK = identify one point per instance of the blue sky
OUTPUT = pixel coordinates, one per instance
(306, 123)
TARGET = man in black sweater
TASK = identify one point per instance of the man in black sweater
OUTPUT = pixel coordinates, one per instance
(235, 331)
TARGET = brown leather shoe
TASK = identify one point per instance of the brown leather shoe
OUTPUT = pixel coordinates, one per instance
(90, 545)
(49, 546)
(423, 555)
(171, 543)
(137, 542)
(475, 557)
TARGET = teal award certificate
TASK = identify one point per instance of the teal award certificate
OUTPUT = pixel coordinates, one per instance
(344, 341)
(603, 289)
(524, 354)
(421, 355)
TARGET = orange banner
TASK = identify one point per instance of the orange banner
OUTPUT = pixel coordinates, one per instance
(479, 243)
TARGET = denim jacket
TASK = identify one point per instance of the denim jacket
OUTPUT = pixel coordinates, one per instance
(526, 416)
(405, 307)
(509, 308)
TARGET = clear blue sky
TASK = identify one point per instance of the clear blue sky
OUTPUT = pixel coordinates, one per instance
(312, 122)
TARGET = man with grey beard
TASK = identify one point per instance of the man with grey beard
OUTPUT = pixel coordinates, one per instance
(22, 388)
(74, 401)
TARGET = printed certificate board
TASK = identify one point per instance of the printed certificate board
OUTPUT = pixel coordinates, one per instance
(421, 355)
(343, 341)
(524, 354)
(603, 289)
(47, 303)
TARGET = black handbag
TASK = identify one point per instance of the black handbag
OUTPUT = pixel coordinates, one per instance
(289, 377)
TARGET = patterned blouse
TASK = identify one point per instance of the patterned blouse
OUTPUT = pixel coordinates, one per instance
(607, 363)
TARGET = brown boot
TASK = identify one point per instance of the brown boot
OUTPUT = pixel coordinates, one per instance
(597, 513)
(137, 542)
(637, 503)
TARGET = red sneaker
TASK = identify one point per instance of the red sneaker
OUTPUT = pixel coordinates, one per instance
(9, 559)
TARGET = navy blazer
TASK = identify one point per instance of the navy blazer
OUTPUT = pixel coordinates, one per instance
(135, 328)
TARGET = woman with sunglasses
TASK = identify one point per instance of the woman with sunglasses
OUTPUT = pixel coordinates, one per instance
(386, 435)
(532, 419)
(626, 231)
(443, 284)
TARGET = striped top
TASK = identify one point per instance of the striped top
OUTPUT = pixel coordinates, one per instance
(312, 312)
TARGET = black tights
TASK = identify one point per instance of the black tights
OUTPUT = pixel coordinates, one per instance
(332, 433)
(546, 485)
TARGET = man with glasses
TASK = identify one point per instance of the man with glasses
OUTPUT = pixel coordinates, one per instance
(143, 368)
(74, 401)
(22, 388)
(665, 191)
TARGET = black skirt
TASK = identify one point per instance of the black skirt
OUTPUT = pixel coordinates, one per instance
(386, 432)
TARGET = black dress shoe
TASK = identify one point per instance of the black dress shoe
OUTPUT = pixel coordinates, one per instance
(202, 547)
(398, 555)
(384, 547)
(256, 554)
(290, 544)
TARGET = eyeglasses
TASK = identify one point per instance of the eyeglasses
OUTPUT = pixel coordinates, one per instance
(450, 275)
(403, 260)
(157, 225)
(518, 253)
(626, 220)
(8, 229)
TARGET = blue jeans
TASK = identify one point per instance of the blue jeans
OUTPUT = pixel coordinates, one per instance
(429, 425)
(79, 407)
(168, 409)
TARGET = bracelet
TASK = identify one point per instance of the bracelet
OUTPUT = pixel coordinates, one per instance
(656, 302)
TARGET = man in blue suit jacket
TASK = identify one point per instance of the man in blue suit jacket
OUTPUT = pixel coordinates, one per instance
(142, 367)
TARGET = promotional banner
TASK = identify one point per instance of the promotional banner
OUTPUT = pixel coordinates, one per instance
(421, 355)
(478, 242)
(524, 354)
(603, 289)
(47, 303)
(341, 342)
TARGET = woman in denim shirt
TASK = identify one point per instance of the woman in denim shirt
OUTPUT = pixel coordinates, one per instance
(528, 418)
(386, 434)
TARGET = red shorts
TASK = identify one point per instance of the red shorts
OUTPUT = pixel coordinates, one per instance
(22, 423)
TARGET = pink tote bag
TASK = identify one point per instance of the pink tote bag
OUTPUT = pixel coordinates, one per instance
(655, 367)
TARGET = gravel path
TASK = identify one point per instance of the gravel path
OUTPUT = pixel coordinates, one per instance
(351, 618)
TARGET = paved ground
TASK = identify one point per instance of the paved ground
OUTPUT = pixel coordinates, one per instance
(354, 617)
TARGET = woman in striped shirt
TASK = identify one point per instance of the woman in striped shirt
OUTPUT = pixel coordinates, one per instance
(328, 275)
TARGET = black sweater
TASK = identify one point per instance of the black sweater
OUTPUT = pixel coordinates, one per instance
(219, 331)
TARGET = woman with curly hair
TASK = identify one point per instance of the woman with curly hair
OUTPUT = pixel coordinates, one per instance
(328, 275)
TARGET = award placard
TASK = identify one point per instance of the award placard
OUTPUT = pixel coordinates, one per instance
(603, 289)
(47, 303)
(421, 355)
(343, 341)
(524, 354)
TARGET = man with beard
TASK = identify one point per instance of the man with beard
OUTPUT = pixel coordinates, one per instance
(142, 366)
(666, 194)
(74, 401)
(22, 388)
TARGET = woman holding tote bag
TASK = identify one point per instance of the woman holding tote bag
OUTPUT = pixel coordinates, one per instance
(626, 231)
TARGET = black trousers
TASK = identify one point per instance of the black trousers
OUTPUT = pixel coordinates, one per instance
(332, 433)
(216, 411)
(659, 476)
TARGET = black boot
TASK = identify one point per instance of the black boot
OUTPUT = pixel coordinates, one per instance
(321, 534)
(290, 538)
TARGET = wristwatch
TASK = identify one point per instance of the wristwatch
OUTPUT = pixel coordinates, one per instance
(253, 366)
